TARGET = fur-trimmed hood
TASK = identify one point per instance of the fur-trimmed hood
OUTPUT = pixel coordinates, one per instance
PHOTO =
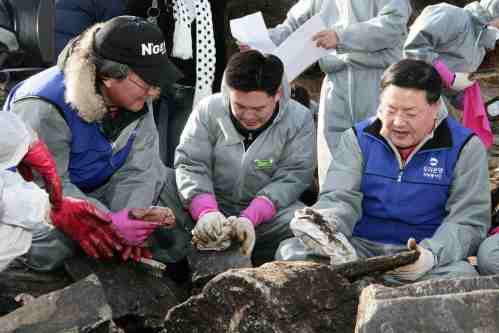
(76, 61)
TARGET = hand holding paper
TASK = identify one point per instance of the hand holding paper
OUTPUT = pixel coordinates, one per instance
(300, 50)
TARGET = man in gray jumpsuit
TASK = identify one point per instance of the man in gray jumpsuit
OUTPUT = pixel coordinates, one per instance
(364, 37)
(247, 152)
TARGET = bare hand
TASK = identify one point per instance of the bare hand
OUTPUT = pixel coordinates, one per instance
(494, 23)
(327, 39)
(243, 47)
(163, 216)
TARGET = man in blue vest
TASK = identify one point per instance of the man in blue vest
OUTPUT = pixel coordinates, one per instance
(412, 175)
(93, 110)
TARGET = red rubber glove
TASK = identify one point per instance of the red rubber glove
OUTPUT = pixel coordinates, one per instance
(87, 225)
(136, 252)
(40, 159)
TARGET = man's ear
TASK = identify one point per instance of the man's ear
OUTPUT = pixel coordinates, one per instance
(278, 94)
(107, 82)
(435, 107)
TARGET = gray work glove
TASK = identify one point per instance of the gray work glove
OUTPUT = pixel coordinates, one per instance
(416, 270)
(243, 231)
(461, 81)
(212, 232)
(317, 229)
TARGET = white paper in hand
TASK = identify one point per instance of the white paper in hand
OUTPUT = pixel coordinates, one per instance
(298, 51)
(251, 30)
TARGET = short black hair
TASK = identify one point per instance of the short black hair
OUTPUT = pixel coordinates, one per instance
(414, 74)
(254, 71)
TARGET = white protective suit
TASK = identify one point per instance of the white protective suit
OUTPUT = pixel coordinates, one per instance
(23, 205)
(371, 34)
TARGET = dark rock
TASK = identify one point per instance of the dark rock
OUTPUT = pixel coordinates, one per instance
(282, 297)
(452, 305)
(205, 265)
(276, 297)
(20, 280)
(130, 291)
(80, 307)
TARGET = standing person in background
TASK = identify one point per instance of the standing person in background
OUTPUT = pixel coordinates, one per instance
(456, 51)
(32, 222)
(194, 32)
(365, 37)
(72, 17)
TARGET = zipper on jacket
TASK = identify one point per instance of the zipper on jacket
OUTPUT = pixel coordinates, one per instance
(399, 178)
(238, 189)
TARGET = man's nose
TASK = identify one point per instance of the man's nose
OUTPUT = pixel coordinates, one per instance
(398, 120)
(249, 115)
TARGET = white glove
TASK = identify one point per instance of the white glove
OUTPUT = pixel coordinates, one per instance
(212, 232)
(461, 81)
(416, 270)
(319, 233)
(244, 231)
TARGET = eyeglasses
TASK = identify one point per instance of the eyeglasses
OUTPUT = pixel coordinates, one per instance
(148, 90)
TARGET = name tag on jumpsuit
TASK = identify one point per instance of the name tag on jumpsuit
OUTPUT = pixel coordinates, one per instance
(263, 164)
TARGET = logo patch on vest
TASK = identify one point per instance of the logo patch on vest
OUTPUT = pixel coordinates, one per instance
(432, 170)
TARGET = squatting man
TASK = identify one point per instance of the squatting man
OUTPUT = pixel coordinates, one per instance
(412, 176)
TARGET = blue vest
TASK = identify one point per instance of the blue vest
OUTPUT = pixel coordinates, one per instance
(91, 161)
(399, 204)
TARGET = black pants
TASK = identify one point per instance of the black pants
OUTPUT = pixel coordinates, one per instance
(171, 112)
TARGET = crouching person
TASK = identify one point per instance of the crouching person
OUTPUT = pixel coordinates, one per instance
(24, 207)
(93, 111)
(245, 156)
(27, 211)
(411, 177)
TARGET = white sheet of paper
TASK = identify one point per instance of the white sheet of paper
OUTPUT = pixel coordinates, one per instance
(251, 30)
(298, 51)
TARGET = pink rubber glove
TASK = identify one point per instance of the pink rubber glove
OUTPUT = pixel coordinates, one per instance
(445, 73)
(260, 210)
(475, 116)
(202, 204)
(133, 232)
